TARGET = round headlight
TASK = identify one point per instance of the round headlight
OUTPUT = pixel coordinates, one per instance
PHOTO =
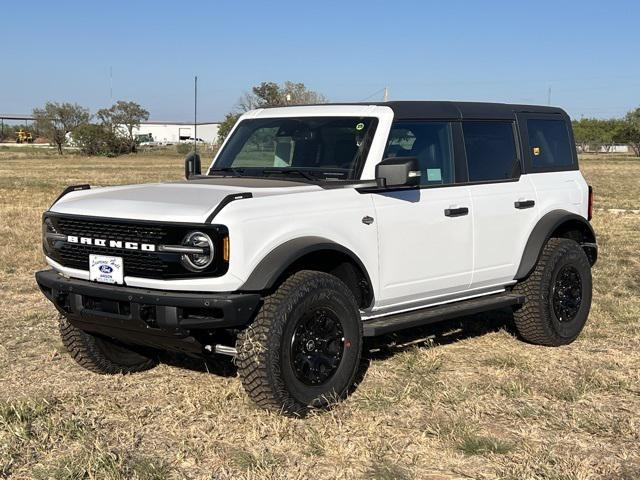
(201, 259)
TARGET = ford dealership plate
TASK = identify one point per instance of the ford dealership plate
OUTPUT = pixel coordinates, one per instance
(106, 269)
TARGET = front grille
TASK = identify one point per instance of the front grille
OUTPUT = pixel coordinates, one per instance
(115, 231)
(137, 263)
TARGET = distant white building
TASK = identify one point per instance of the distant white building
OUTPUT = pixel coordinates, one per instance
(615, 148)
(176, 132)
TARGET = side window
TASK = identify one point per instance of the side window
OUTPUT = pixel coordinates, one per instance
(549, 144)
(491, 151)
(430, 142)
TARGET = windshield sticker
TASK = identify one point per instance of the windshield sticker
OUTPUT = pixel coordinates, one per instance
(360, 126)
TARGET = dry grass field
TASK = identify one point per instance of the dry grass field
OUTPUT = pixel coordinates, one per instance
(463, 400)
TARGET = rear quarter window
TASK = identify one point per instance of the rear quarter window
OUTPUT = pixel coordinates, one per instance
(549, 145)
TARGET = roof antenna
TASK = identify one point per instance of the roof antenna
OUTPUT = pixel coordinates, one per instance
(195, 115)
(386, 94)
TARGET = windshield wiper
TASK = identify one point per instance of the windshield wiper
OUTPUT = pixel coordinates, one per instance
(286, 171)
(235, 170)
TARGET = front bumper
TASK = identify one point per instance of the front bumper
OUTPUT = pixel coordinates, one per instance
(171, 320)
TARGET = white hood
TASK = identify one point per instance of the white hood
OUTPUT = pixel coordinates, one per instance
(190, 201)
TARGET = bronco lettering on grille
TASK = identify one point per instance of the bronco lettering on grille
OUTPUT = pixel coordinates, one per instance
(100, 242)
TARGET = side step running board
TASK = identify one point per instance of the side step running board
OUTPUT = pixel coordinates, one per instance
(424, 316)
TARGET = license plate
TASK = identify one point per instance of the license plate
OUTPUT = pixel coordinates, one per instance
(106, 269)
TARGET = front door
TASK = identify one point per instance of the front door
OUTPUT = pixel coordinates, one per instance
(425, 235)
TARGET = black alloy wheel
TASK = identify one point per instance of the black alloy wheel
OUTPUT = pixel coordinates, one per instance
(317, 346)
(567, 293)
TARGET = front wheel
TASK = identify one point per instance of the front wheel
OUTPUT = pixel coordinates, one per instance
(557, 295)
(303, 349)
(99, 354)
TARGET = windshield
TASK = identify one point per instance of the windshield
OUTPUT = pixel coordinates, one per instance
(315, 148)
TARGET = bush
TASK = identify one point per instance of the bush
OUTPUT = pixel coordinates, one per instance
(98, 140)
(184, 148)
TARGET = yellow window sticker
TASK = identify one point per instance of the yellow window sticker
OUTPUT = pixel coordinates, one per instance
(536, 151)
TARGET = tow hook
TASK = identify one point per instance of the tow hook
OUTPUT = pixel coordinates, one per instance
(221, 350)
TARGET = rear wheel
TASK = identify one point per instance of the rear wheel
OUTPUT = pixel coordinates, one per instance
(303, 349)
(101, 355)
(558, 295)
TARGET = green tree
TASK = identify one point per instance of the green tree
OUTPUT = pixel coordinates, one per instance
(595, 134)
(227, 124)
(95, 139)
(607, 130)
(629, 131)
(269, 94)
(583, 133)
(299, 94)
(56, 120)
(124, 115)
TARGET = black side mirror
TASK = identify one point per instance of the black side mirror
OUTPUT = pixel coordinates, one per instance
(191, 165)
(398, 172)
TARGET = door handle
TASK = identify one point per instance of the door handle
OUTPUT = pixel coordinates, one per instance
(520, 204)
(456, 212)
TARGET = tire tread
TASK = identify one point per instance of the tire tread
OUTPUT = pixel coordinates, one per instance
(531, 319)
(86, 351)
(259, 348)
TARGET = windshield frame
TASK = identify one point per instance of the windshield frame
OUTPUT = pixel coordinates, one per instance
(300, 173)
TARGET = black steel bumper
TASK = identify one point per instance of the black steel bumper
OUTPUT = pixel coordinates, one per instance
(156, 318)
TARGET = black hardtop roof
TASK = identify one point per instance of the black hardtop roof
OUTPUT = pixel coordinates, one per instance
(463, 110)
(414, 109)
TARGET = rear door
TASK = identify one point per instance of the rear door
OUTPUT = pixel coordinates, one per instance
(504, 201)
(551, 164)
(425, 235)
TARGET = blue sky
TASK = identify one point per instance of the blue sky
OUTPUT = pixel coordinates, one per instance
(586, 51)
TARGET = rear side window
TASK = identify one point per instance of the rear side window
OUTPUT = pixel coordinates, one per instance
(491, 151)
(549, 144)
(431, 143)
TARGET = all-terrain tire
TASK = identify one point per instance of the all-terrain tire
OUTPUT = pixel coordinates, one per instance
(538, 321)
(100, 355)
(270, 350)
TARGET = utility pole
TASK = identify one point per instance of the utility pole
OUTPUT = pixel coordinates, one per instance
(111, 84)
(549, 96)
(386, 94)
(195, 115)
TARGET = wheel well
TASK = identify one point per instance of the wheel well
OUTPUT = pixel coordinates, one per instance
(338, 264)
(558, 224)
(579, 232)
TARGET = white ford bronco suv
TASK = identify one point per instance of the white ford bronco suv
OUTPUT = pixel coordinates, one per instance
(317, 226)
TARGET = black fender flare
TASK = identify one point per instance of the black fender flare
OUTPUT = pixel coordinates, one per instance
(543, 230)
(265, 275)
